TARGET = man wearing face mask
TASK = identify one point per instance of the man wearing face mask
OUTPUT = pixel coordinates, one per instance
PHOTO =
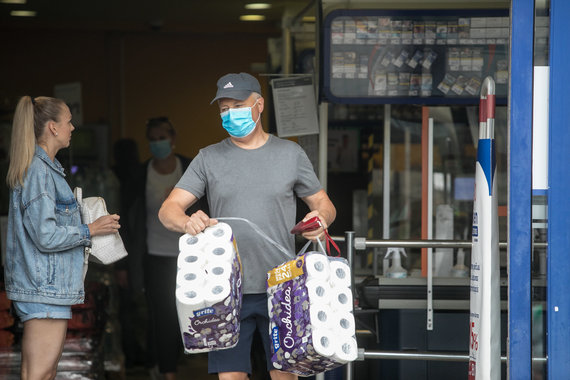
(160, 174)
(256, 176)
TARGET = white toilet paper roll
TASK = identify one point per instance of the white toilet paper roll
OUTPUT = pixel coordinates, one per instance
(216, 291)
(340, 273)
(345, 350)
(191, 276)
(323, 342)
(343, 324)
(340, 299)
(318, 291)
(218, 271)
(186, 258)
(320, 316)
(219, 252)
(192, 243)
(188, 300)
(317, 266)
(221, 232)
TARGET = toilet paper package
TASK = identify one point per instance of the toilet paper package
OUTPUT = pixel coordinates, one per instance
(208, 290)
(310, 307)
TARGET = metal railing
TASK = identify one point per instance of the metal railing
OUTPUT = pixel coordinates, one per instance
(363, 243)
(424, 355)
(353, 243)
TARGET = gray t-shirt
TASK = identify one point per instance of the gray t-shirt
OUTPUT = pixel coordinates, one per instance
(260, 185)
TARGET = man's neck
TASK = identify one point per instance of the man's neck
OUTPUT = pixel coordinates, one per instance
(255, 140)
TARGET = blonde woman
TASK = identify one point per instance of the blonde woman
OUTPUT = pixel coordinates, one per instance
(45, 245)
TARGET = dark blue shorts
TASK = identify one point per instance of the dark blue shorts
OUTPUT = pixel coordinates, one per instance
(254, 315)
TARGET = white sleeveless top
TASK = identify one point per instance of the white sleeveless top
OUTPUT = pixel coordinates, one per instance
(160, 241)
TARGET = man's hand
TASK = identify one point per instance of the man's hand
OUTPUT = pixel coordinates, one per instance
(197, 222)
(318, 233)
(322, 207)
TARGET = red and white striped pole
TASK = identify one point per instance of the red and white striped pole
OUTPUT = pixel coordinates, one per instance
(485, 303)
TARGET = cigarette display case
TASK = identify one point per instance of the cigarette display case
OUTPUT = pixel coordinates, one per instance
(414, 57)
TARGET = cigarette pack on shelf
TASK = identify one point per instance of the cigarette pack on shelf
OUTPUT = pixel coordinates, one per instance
(310, 306)
(208, 289)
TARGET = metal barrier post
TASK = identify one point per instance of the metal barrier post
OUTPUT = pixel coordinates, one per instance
(349, 239)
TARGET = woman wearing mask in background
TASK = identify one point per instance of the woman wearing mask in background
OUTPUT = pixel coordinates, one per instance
(161, 173)
(45, 261)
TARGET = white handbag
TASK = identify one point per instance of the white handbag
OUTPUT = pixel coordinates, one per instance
(105, 249)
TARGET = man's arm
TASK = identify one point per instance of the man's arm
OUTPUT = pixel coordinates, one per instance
(172, 213)
(321, 206)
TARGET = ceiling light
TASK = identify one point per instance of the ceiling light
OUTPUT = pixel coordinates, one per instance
(252, 17)
(13, 1)
(257, 6)
(23, 13)
(309, 19)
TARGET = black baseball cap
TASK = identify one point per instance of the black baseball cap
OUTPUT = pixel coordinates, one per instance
(237, 86)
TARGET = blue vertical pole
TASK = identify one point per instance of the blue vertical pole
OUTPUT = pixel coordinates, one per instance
(558, 311)
(520, 189)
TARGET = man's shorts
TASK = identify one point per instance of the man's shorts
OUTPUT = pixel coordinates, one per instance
(253, 316)
(31, 310)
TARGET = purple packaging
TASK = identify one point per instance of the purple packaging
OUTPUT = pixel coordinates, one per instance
(212, 326)
(289, 303)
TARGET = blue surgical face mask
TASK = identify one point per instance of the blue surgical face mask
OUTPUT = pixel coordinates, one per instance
(160, 149)
(238, 121)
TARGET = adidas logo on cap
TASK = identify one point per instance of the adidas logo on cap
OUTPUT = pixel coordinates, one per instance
(229, 85)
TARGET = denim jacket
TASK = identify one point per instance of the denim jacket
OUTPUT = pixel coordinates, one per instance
(45, 240)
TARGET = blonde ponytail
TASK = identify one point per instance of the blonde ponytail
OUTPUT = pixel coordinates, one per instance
(30, 118)
(23, 142)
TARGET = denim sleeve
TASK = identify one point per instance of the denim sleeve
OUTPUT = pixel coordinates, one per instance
(41, 223)
(86, 234)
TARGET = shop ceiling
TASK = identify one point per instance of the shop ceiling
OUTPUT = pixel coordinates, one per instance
(206, 16)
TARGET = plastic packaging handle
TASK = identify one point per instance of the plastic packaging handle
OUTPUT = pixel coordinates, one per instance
(279, 246)
(259, 232)
(304, 249)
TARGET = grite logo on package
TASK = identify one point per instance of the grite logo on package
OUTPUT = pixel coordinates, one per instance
(205, 311)
(275, 337)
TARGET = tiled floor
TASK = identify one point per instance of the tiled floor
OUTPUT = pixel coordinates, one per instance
(192, 367)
